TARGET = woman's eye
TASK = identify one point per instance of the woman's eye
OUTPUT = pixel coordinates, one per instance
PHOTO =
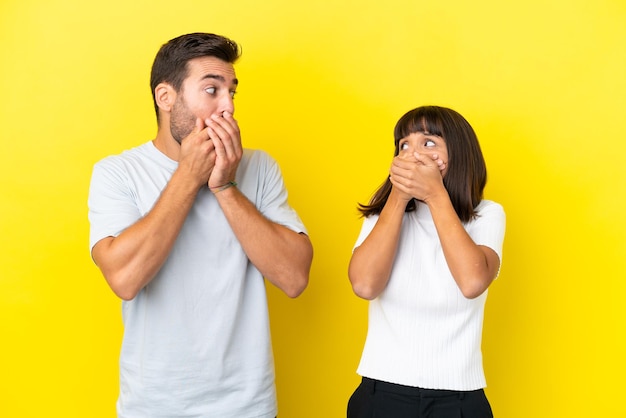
(430, 143)
(404, 146)
(210, 90)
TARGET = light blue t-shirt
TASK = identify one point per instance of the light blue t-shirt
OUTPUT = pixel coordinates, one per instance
(196, 339)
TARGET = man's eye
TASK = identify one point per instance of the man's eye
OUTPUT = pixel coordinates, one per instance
(232, 93)
(210, 90)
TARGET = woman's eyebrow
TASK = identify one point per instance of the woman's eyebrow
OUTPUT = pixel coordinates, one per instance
(426, 133)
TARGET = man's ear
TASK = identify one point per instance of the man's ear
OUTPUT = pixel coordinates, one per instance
(165, 96)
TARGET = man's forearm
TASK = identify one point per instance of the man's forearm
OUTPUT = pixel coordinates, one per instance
(132, 259)
(283, 256)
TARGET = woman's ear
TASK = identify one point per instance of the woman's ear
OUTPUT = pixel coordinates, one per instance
(165, 96)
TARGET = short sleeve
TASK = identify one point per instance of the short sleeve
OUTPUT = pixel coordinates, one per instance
(272, 196)
(488, 227)
(366, 227)
(111, 203)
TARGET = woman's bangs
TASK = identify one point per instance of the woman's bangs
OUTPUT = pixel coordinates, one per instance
(420, 121)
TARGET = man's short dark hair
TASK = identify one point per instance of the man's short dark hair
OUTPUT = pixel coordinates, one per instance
(170, 63)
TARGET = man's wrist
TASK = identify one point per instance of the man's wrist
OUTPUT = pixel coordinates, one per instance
(218, 189)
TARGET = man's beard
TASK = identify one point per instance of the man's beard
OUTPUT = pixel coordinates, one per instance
(182, 121)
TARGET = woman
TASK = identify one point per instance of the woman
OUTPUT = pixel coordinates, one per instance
(429, 248)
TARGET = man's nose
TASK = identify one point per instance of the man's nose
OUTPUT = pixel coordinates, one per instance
(226, 104)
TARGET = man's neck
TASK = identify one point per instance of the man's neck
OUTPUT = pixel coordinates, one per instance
(165, 143)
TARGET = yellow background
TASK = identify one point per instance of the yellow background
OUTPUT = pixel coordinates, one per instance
(543, 82)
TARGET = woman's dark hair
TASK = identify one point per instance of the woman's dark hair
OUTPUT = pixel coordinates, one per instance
(466, 174)
(170, 63)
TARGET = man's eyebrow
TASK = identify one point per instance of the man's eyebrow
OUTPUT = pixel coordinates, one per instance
(219, 78)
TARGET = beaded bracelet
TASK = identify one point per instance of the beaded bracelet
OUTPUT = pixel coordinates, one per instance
(218, 189)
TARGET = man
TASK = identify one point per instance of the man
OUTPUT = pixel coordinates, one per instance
(184, 228)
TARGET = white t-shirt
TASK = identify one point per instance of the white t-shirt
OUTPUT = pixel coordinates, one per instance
(422, 331)
(197, 338)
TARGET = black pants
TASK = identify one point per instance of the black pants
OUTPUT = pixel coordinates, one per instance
(376, 399)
